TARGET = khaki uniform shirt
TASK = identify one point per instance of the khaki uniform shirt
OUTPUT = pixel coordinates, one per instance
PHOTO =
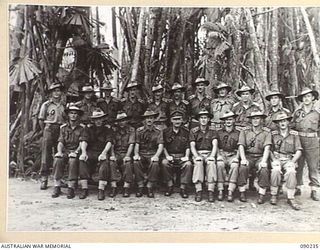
(71, 138)
(271, 115)
(242, 112)
(196, 105)
(149, 139)
(123, 138)
(286, 145)
(306, 122)
(111, 108)
(219, 106)
(203, 140)
(99, 137)
(134, 111)
(228, 141)
(51, 112)
(87, 108)
(176, 143)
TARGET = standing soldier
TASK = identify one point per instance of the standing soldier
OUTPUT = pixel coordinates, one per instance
(122, 150)
(306, 121)
(204, 145)
(177, 102)
(147, 150)
(254, 148)
(275, 98)
(286, 150)
(100, 143)
(72, 139)
(87, 104)
(176, 151)
(199, 100)
(221, 104)
(133, 106)
(51, 117)
(159, 104)
(228, 156)
(245, 106)
(108, 104)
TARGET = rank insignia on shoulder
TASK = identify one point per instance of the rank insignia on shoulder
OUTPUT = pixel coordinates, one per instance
(140, 129)
(63, 125)
(191, 97)
(196, 129)
(275, 132)
(293, 132)
(185, 102)
(266, 129)
(82, 125)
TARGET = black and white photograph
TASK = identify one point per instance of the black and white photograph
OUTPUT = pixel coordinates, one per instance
(163, 119)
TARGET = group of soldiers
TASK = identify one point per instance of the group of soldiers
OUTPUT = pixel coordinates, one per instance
(213, 143)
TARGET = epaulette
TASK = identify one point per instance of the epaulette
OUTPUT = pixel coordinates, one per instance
(123, 99)
(293, 132)
(115, 99)
(78, 103)
(63, 125)
(286, 110)
(266, 129)
(46, 102)
(107, 126)
(238, 128)
(89, 125)
(191, 97)
(275, 132)
(242, 128)
(100, 100)
(185, 102)
(82, 125)
(208, 97)
(185, 128)
(236, 104)
(140, 129)
(196, 129)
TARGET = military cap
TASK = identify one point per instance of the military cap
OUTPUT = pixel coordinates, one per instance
(96, 114)
(227, 115)
(221, 85)
(244, 88)
(204, 112)
(87, 89)
(307, 91)
(273, 93)
(201, 80)
(73, 107)
(106, 86)
(282, 116)
(256, 113)
(121, 116)
(149, 113)
(55, 85)
(157, 88)
(132, 85)
(176, 86)
(176, 113)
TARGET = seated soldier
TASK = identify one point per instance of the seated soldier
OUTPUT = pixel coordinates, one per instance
(99, 148)
(254, 148)
(147, 150)
(204, 145)
(122, 150)
(286, 150)
(73, 137)
(228, 156)
(176, 151)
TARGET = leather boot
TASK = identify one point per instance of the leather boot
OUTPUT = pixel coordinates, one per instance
(261, 199)
(169, 191)
(314, 195)
(101, 195)
(139, 192)
(230, 196)
(150, 193)
(220, 196)
(70, 193)
(243, 197)
(198, 196)
(44, 184)
(210, 196)
(113, 192)
(84, 193)
(273, 200)
(183, 193)
(56, 192)
(126, 192)
(298, 192)
(293, 204)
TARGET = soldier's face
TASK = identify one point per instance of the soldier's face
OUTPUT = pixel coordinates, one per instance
(204, 120)
(256, 121)
(308, 98)
(245, 96)
(56, 93)
(230, 122)
(200, 87)
(122, 123)
(133, 92)
(223, 92)
(150, 120)
(158, 94)
(177, 94)
(88, 95)
(274, 100)
(73, 115)
(107, 93)
(98, 122)
(283, 124)
(177, 121)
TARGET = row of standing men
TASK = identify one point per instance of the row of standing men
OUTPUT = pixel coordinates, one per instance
(305, 121)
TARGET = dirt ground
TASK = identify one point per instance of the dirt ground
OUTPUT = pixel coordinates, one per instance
(30, 209)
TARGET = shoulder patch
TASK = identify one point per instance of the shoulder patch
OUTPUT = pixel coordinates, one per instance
(123, 99)
(208, 97)
(63, 125)
(140, 129)
(185, 102)
(266, 129)
(166, 100)
(191, 97)
(141, 100)
(275, 132)
(196, 129)
(293, 132)
(82, 125)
